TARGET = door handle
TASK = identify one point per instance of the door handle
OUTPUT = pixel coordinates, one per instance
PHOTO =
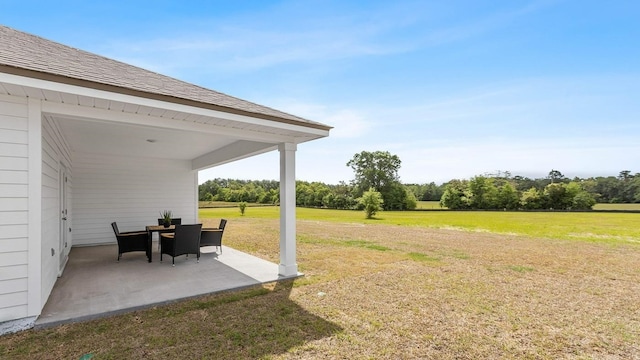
(64, 218)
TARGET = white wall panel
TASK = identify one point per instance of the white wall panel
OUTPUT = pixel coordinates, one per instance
(13, 245)
(131, 191)
(13, 312)
(14, 195)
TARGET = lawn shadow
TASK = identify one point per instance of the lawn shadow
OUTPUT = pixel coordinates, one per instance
(269, 324)
(253, 323)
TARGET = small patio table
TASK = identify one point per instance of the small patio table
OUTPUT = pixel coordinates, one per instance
(159, 229)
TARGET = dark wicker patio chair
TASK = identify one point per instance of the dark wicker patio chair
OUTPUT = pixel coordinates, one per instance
(184, 241)
(131, 241)
(213, 237)
(174, 221)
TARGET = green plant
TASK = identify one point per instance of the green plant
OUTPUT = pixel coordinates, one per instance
(372, 202)
(242, 205)
(166, 216)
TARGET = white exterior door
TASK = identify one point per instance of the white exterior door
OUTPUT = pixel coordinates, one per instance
(64, 220)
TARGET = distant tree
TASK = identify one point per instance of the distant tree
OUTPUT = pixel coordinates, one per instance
(377, 170)
(555, 176)
(583, 201)
(483, 193)
(636, 183)
(532, 199)
(371, 201)
(628, 186)
(555, 196)
(208, 187)
(456, 195)
(625, 175)
(433, 192)
(508, 197)
(608, 189)
(398, 197)
(426, 192)
(525, 183)
(410, 202)
(340, 197)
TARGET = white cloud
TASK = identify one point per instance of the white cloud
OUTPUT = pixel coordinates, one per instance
(532, 157)
(347, 123)
(289, 34)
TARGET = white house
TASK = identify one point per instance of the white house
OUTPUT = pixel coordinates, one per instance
(86, 140)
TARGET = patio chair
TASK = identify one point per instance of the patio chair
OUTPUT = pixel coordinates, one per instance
(184, 241)
(213, 237)
(131, 241)
(174, 221)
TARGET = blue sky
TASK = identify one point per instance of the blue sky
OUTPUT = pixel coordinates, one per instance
(454, 88)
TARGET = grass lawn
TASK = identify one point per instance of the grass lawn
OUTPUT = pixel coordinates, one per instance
(411, 285)
(635, 207)
(429, 205)
(600, 227)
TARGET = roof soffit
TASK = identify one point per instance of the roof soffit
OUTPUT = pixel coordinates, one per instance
(72, 100)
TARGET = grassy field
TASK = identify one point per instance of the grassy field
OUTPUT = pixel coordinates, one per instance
(600, 227)
(429, 205)
(634, 207)
(416, 285)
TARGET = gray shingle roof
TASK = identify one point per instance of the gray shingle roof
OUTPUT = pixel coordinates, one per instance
(42, 58)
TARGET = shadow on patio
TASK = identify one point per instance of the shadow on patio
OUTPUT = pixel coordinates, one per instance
(95, 285)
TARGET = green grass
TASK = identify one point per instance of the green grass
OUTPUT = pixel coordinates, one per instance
(599, 227)
(422, 205)
(520, 268)
(429, 205)
(635, 207)
(423, 257)
(226, 204)
(393, 289)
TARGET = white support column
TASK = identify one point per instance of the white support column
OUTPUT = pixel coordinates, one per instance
(288, 266)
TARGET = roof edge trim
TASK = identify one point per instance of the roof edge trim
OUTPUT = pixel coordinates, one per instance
(166, 98)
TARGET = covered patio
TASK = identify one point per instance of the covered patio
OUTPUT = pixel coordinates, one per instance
(86, 141)
(95, 285)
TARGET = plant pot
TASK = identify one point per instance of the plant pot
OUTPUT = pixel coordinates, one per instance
(166, 225)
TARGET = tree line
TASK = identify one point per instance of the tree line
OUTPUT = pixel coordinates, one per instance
(482, 193)
(502, 191)
(378, 171)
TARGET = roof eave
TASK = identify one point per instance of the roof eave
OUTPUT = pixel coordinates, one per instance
(154, 96)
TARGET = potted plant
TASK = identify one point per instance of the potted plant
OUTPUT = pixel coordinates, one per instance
(166, 218)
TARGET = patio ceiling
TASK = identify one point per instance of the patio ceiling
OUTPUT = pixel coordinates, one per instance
(99, 137)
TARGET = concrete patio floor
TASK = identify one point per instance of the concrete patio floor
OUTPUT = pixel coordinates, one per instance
(95, 285)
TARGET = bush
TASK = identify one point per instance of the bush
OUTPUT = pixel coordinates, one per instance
(583, 201)
(371, 201)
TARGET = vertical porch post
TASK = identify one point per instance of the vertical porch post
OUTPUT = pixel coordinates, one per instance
(288, 266)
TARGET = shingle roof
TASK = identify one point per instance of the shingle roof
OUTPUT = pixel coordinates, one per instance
(42, 58)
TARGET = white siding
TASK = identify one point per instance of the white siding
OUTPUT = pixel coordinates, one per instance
(14, 165)
(130, 191)
(54, 152)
